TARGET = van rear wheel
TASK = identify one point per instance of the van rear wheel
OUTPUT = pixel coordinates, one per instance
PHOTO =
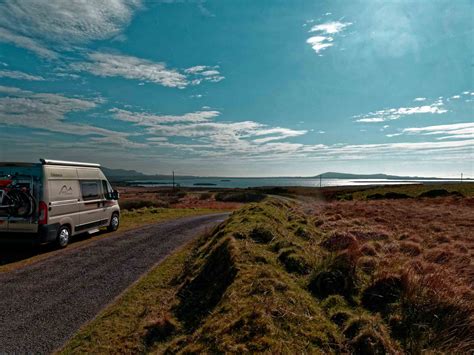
(114, 222)
(62, 240)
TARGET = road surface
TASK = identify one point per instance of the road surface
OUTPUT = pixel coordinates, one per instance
(42, 305)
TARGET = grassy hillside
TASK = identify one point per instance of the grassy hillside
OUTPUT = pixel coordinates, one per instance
(275, 278)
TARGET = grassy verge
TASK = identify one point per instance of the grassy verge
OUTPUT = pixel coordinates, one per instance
(136, 218)
(129, 220)
(276, 279)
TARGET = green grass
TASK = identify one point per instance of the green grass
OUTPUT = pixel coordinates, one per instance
(270, 280)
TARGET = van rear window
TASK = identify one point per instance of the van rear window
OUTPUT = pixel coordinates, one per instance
(90, 190)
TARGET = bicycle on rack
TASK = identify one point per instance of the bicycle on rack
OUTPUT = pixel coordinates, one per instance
(16, 200)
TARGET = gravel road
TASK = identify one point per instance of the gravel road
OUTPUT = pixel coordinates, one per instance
(44, 304)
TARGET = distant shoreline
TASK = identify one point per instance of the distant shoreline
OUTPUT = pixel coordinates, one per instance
(245, 183)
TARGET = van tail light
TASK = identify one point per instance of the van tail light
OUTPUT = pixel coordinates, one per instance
(43, 213)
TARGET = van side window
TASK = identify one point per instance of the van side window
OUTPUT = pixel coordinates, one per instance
(90, 190)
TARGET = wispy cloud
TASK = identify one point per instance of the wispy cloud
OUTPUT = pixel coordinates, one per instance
(13, 74)
(319, 43)
(449, 131)
(147, 119)
(27, 43)
(204, 73)
(199, 136)
(277, 134)
(47, 112)
(204, 137)
(325, 34)
(129, 67)
(396, 113)
(330, 27)
(36, 24)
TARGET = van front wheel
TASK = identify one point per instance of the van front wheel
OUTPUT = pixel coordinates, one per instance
(114, 223)
(62, 240)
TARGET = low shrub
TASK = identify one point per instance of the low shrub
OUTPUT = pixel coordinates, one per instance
(293, 262)
(137, 204)
(303, 233)
(364, 235)
(160, 329)
(371, 342)
(239, 197)
(410, 248)
(180, 194)
(367, 264)
(339, 241)
(368, 249)
(367, 335)
(205, 196)
(439, 256)
(261, 234)
(439, 193)
(384, 291)
(389, 196)
(336, 276)
(340, 317)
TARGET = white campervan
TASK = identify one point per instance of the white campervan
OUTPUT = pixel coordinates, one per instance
(54, 200)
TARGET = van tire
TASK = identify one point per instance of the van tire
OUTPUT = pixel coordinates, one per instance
(114, 222)
(63, 237)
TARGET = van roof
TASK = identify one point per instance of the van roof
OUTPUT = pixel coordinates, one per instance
(68, 163)
(49, 162)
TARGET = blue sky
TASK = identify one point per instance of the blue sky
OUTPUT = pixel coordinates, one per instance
(240, 88)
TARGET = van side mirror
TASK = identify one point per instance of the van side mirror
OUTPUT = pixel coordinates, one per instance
(114, 195)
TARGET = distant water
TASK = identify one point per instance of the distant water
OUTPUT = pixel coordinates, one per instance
(260, 182)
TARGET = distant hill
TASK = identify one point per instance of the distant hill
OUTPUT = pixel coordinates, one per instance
(334, 175)
(122, 174)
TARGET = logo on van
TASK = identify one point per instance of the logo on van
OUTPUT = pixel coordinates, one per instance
(65, 190)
